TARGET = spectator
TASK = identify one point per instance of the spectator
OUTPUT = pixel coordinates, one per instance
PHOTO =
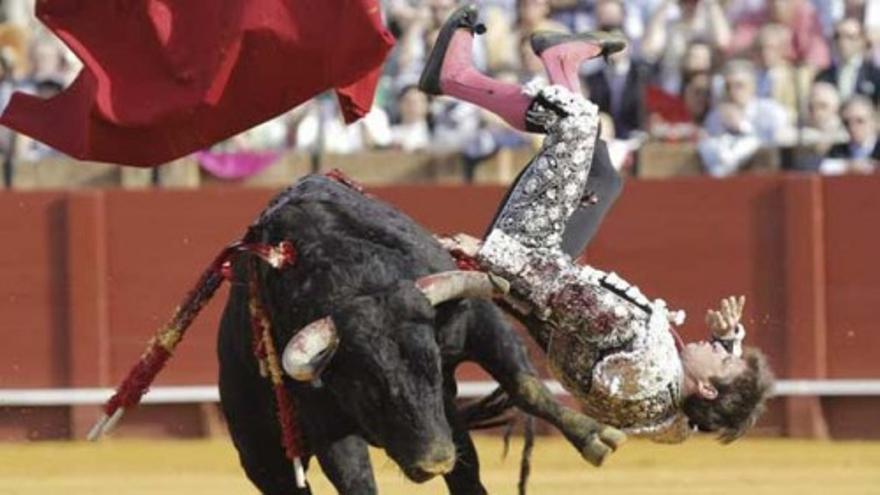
(697, 96)
(413, 26)
(618, 91)
(18, 12)
(610, 15)
(411, 133)
(622, 152)
(322, 129)
(455, 124)
(823, 125)
(638, 15)
(698, 58)
(7, 79)
(681, 118)
(533, 15)
(852, 72)
(807, 42)
(727, 151)
(861, 153)
(670, 32)
(530, 66)
(778, 79)
(48, 61)
(767, 119)
(575, 15)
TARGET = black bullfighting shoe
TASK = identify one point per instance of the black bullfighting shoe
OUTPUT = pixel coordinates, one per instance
(603, 43)
(464, 17)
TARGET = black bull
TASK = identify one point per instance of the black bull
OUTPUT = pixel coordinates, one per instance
(391, 381)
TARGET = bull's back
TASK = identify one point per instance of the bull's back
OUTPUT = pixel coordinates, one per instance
(321, 208)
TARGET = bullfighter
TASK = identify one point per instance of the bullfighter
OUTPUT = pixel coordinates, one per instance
(615, 350)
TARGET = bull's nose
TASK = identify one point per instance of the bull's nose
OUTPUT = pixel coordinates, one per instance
(440, 459)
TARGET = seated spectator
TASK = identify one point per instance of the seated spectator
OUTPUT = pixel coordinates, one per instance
(777, 79)
(534, 15)
(455, 124)
(530, 66)
(698, 58)
(7, 80)
(503, 40)
(622, 152)
(861, 153)
(618, 91)
(412, 25)
(575, 15)
(852, 72)
(674, 26)
(833, 11)
(730, 148)
(807, 43)
(411, 133)
(48, 61)
(767, 119)
(609, 15)
(679, 117)
(322, 129)
(823, 125)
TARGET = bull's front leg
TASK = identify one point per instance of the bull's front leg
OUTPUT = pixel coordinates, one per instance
(496, 347)
(465, 476)
(346, 463)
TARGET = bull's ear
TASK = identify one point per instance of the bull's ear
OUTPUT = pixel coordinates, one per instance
(309, 351)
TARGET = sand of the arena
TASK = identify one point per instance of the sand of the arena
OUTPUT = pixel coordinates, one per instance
(701, 466)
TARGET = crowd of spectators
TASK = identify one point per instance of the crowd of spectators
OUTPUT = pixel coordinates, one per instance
(729, 78)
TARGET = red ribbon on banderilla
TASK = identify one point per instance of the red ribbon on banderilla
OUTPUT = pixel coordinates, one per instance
(162, 345)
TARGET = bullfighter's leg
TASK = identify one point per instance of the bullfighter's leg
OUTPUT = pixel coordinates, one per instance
(465, 476)
(604, 185)
(249, 406)
(493, 345)
(450, 71)
(346, 463)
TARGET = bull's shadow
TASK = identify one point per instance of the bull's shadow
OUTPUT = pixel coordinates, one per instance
(380, 366)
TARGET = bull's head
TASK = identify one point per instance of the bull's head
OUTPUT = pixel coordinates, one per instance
(387, 369)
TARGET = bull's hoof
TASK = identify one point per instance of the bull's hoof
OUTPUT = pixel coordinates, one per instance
(600, 443)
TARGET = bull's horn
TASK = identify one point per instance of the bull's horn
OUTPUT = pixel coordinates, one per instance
(456, 284)
(310, 349)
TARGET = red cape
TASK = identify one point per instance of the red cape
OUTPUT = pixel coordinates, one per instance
(164, 78)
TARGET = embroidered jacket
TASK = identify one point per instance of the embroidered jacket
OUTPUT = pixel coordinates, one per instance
(606, 342)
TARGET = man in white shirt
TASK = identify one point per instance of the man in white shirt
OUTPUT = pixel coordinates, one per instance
(767, 117)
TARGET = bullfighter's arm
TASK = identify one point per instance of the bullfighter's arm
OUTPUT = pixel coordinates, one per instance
(494, 346)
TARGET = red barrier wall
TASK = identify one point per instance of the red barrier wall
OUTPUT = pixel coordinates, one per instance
(88, 276)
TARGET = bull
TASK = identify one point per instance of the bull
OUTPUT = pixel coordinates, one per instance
(372, 337)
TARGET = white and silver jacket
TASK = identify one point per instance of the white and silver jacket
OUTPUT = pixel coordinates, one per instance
(607, 343)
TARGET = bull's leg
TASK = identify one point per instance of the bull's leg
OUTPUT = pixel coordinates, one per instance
(249, 406)
(249, 409)
(494, 346)
(465, 476)
(346, 463)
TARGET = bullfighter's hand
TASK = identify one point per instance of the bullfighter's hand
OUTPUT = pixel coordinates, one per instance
(467, 244)
(724, 321)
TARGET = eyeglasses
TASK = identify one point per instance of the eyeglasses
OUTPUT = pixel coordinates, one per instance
(848, 36)
(849, 121)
